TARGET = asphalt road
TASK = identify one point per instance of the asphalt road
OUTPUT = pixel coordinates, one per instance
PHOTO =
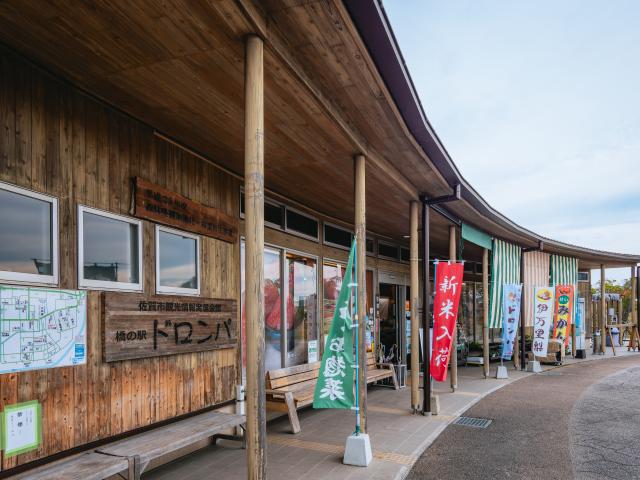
(580, 421)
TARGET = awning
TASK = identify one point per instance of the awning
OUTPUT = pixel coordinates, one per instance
(564, 270)
(505, 268)
(473, 235)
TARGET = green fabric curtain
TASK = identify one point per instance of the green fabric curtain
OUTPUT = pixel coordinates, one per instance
(473, 235)
(505, 268)
(564, 270)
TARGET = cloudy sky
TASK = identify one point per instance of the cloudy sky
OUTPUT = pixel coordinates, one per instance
(538, 103)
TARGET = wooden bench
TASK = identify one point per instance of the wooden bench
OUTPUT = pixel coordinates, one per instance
(289, 389)
(133, 454)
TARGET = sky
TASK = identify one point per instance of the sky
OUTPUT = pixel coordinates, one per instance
(538, 104)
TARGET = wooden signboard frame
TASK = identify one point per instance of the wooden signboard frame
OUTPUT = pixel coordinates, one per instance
(144, 326)
(156, 203)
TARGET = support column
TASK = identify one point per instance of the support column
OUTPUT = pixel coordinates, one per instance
(426, 317)
(603, 310)
(633, 307)
(361, 228)
(485, 312)
(415, 321)
(453, 360)
(254, 255)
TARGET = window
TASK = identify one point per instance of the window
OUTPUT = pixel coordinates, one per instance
(273, 212)
(405, 254)
(109, 251)
(370, 246)
(387, 251)
(301, 224)
(28, 236)
(177, 262)
(336, 236)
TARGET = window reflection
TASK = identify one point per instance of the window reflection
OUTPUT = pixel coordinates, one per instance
(178, 260)
(110, 249)
(302, 323)
(25, 234)
(332, 275)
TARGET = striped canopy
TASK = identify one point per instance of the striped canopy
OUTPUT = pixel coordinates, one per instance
(505, 268)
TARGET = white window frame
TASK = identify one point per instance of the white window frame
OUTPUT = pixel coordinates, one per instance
(300, 234)
(36, 278)
(177, 290)
(88, 284)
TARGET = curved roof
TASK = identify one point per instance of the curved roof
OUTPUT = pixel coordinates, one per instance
(375, 29)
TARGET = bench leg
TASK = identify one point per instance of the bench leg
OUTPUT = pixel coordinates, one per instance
(395, 378)
(134, 468)
(293, 414)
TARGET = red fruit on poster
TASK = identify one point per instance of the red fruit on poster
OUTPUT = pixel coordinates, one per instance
(448, 287)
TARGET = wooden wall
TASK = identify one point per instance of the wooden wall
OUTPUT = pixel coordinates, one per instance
(58, 141)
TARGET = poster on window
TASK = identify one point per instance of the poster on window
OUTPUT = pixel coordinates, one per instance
(563, 313)
(511, 296)
(448, 286)
(542, 317)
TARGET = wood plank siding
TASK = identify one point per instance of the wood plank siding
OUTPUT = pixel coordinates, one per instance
(56, 140)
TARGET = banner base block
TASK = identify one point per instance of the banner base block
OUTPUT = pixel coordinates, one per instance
(502, 373)
(358, 450)
(534, 366)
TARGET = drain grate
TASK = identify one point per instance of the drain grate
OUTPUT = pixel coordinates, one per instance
(472, 422)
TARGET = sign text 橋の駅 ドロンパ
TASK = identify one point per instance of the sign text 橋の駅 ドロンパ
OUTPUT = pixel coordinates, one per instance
(448, 286)
(141, 326)
(155, 203)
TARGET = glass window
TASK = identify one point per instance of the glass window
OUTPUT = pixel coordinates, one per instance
(302, 321)
(389, 251)
(332, 275)
(370, 246)
(109, 250)
(405, 254)
(177, 262)
(28, 236)
(274, 214)
(337, 236)
(302, 224)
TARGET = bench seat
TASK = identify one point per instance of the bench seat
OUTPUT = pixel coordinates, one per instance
(292, 388)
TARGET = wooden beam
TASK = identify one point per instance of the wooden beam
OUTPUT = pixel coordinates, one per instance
(603, 310)
(453, 361)
(254, 254)
(360, 223)
(485, 311)
(415, 295)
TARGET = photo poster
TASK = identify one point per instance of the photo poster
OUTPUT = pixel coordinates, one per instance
(543, 302)
(21, 428)
(511, 298)
(563, 313)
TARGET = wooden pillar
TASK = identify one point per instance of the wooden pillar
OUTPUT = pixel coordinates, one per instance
(603, 310)
(634, 309)
(361, 228)
(415, 295)
(453, 361)
(254, 255)
(485, 312)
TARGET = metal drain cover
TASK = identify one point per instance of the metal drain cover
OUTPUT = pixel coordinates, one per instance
(472, 422)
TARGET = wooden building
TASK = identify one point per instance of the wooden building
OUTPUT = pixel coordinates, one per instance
(128, 129)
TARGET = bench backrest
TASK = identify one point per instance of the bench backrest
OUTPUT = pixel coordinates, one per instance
(371, 360)
(286, 377)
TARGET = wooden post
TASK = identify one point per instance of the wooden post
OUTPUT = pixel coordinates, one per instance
(361, 228)
(603, 311)
(453, 361)
(485, 312)
(254, 254)
(415, 321)
(634, 311)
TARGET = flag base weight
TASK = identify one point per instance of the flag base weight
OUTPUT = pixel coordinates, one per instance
(534, 366)
(502, 372)
(358, 450)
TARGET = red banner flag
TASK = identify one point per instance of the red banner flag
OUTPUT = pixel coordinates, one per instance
(448, 287)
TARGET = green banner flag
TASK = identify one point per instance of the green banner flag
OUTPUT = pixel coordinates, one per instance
(334, 388)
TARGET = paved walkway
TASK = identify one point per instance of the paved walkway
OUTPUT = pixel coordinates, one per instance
(397, 437)
(536, 433)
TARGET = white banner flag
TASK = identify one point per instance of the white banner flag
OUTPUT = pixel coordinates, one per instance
(543, 298)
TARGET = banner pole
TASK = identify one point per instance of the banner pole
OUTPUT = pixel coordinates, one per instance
(356, 316)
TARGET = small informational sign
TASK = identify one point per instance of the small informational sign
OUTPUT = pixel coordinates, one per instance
(41, 328)
(543, 298)
(142, 326)
(312, 350)
(155, 203)
(21, 424)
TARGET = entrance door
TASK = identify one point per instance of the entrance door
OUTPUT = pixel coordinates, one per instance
(391, 308)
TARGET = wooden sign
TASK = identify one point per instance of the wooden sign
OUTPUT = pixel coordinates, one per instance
(142, 326)
(155, 203)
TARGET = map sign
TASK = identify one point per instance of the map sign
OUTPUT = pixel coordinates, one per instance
(41, 328)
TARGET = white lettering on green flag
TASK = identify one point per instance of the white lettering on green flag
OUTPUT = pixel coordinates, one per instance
(334, 388)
